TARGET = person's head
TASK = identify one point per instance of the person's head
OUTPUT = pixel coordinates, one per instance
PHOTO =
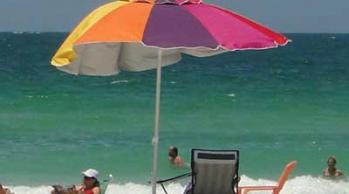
(331, 162)
(90, 178)
(172, 152)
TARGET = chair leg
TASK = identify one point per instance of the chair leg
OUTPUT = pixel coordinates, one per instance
(276, 191)
(163, 187)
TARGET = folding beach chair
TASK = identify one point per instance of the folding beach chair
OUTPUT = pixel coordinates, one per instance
(213, 172)
(275, 188)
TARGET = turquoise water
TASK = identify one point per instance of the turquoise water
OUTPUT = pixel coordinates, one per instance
(276, 105)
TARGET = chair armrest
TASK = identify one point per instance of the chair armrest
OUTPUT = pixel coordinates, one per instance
(161, 182)
(174, 178)
(246, 189)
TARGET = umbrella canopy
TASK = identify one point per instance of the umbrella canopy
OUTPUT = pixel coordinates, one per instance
(124, 35)
(145, 34)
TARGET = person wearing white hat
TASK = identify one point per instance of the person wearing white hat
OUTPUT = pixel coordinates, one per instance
(90, 182)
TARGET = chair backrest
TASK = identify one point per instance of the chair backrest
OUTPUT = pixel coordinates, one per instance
(285, 173)
(214, 171)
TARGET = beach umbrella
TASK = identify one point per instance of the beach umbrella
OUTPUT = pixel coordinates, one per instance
(146, 34)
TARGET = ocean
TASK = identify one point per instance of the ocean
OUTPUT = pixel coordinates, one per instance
(277, 105)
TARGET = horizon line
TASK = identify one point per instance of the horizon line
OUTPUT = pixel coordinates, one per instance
(39, 32)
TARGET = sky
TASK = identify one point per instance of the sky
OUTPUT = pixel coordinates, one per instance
(290, 16)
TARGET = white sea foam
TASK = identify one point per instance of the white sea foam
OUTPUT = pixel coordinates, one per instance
(297, 185)
(119, 81)
(231, 95)
(17, 32)
(39, 96)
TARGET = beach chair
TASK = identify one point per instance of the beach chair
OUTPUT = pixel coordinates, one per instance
(213, 172)
(275, 188)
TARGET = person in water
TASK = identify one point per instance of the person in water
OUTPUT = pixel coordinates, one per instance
(331, 170)
(174, 157)
(90, 183)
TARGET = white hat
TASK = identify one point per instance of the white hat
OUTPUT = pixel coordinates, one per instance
(92, 173)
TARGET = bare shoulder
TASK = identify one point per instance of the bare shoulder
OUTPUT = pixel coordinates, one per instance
(178, 161)
(96, 190)
(339, 173)
(325, 172)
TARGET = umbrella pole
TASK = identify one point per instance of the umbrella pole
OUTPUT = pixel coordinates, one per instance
(155, 140)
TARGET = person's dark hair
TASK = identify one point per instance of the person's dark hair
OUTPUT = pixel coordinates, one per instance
(173, 151)
(96, 183)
